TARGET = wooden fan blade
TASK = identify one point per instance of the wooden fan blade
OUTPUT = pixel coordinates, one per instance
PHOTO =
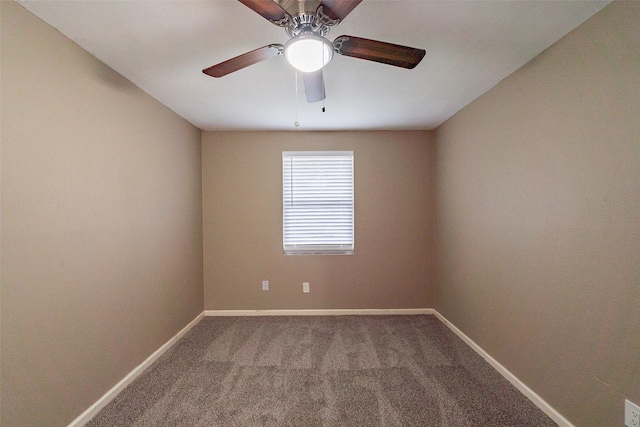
(372, 50)
(338, 9)
(244, 60)
(314, 86)
(268, 9)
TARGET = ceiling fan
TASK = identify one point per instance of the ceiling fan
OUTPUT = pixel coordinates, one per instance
(307, 22)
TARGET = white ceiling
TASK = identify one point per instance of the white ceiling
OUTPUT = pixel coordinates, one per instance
(162, 46)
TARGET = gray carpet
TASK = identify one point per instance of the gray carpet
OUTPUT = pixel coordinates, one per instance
(320, 371)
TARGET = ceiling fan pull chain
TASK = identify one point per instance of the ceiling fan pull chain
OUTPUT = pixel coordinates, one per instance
(323, 76)
(296, 124)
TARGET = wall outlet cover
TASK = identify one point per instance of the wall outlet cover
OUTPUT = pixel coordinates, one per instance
(265, 285)
(631, 414)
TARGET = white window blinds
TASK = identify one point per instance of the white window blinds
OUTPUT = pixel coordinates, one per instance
(318, 202)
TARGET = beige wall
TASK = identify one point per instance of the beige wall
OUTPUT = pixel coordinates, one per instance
(101, 225)
(538, 189)
(393, 262)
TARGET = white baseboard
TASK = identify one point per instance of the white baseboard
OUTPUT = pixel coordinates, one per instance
(320, 312)
(530, 394)
(84, 418)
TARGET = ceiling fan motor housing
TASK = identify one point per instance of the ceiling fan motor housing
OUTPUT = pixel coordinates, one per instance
(307, 23)
(293, 7)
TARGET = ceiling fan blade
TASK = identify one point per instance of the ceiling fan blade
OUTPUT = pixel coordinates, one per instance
(268, 9)
(244, 60)
(314, 86)
(338, 9)
(372, 50)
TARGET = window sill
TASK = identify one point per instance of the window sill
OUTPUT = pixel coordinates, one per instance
(311, 252)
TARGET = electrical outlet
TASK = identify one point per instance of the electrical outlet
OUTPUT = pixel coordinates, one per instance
(631, 414)
(265, 285)
(305, 287)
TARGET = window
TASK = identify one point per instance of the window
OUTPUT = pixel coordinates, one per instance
(317, 202)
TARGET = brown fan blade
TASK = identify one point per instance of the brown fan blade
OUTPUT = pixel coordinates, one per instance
(314, 86)
(372, 50)
(244, 60)
(268, 9)
(338, 9)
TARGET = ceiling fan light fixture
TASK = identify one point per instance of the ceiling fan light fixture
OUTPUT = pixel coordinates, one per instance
(308, 52)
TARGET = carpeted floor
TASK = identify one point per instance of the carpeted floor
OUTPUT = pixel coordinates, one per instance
(320, 371)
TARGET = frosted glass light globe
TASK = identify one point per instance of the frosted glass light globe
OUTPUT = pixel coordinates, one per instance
(308, 52)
